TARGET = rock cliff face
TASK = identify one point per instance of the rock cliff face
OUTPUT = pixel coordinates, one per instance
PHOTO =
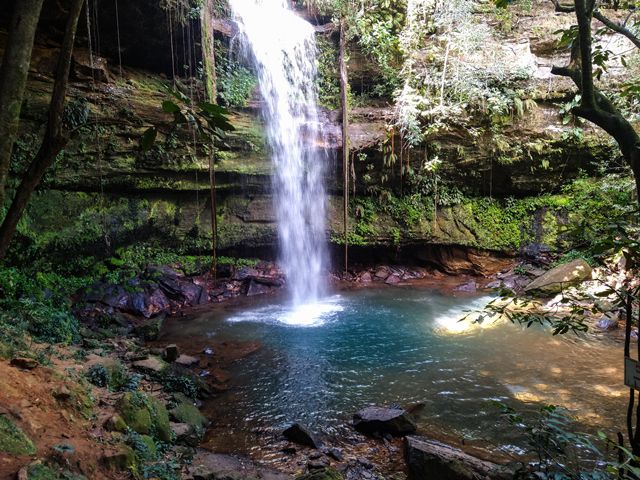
(104, 192)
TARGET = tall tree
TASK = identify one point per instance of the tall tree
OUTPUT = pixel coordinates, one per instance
(13, 78)
(55, 137)
(208, 62)
(344, 103)
(597, 108)
(594, 105)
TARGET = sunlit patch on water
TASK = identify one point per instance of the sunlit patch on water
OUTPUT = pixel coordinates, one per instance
(314, 314)
(464, 318)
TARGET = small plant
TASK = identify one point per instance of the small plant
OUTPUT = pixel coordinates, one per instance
(98, 375)
(180, 383)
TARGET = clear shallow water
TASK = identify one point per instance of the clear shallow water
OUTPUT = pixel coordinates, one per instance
(406, 346)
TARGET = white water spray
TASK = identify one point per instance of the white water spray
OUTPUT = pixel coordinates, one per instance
(282, 48)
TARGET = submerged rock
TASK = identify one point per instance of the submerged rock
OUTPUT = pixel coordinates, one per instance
(431, 460)
(381, 420)
(607, 324)
(215, 466)
(301, 435)
(469, 287)
(560, 277)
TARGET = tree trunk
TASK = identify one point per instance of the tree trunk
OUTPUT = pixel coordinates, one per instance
(54, 138)
(13, 79)
(344, 101)
(209, 65)
(208, 50)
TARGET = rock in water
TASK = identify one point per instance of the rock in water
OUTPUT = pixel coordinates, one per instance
(431, 460)
(606, 324)
(381, 420)
(299, 434)
(566, 275)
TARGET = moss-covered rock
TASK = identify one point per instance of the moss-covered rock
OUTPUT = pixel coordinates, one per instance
(13, 440)
(189, 414)
(145, 415)
(121, 459)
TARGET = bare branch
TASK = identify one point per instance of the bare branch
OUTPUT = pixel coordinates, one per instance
(616, 27)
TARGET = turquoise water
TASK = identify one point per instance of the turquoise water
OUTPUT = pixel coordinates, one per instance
(406, 346)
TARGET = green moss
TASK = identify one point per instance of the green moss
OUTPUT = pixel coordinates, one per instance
(189, 414)
(161, 429)
(39, 471)
(13, 440)
(323, 474)
(136, 413)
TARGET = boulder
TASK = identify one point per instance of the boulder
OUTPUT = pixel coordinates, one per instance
(301, 435)
(256, 288)
(145, 414)
(151, 365)
(365, 278)
(381, 420)
(186, 360)
(431, 460)
(190, 415)
(121, 459)
(382, 273)
(392, 279)
(560, 277)
(185, 434)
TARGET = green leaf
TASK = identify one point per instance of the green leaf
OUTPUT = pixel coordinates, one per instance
(148, 139)
(170, 107)
(213, 109)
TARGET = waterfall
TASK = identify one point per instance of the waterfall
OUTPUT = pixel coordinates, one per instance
(282, 48)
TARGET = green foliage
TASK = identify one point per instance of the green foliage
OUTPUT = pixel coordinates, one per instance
(143, 446)
(76, 113)
(208, 120)
(180, 383)
(98, 375)
(560, 453)
(115, 377)
(328, 76)
(39, 305)
(235, 82)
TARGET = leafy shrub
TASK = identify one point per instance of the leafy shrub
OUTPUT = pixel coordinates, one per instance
(98, 375)
(180, 383)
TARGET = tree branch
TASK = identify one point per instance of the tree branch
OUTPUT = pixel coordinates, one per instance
(616, 27)
(583, 14)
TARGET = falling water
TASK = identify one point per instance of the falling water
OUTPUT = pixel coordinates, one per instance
(282, 47)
